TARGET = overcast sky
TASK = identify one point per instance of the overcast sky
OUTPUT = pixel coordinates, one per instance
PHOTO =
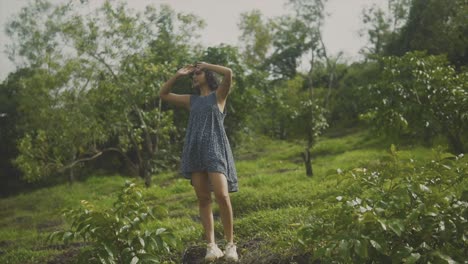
(222, 16)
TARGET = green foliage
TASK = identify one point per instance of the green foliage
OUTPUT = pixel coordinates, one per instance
(309, 119)
(289, 42)
(383, 26)
(23, 255)
(437, 26)
(116, 235)
(100, 96)
(348, 101)
(397, 212)
(33, 168)
(276, 199)
(419, 95)
(290, 112)
(256, 36)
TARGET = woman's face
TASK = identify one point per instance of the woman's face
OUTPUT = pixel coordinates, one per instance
(198, 78)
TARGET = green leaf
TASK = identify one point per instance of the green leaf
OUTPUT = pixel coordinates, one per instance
(383, 223)
(360, 248)
(142, 241)
(444, 257)
(67, 236)
(148, 257)
(447, 156)
(159, 242)
(171, 240)
(412, 258)
(424, 188)
(396, 226)
(54, 235)
(126, 251)
(376, 245)
(344, 247)
(108, 249)
(135, 260)
(160, 230)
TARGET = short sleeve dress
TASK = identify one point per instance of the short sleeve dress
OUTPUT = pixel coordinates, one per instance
(206, 146)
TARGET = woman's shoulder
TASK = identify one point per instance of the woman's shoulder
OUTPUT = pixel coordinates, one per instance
(193, 98)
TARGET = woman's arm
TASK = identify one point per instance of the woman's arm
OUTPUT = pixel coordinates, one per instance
(182, 100)
(225, 85)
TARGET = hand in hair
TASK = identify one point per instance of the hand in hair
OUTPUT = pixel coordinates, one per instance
(200, 65)
(186, 70)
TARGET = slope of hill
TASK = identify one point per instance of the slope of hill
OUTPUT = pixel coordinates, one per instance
(274, 199)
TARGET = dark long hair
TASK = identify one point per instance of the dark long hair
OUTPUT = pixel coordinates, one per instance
(211, 80)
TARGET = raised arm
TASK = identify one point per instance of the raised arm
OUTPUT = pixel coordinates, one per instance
(225, 86)
(182, 100)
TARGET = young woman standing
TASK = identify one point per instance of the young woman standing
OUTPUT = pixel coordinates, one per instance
(207, 158)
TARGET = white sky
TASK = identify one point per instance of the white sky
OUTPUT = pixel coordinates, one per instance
(222, 16)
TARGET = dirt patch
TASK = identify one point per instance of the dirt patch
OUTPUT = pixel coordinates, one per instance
(62, 246)
(248, 156)
(48, 225)
(194, 255)
(249, 252)
(23, 219)
(254, 251)
(66, 257)
(70, 253)
(4, 244)
(283, 170)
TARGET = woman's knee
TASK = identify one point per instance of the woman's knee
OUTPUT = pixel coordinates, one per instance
(222, 198)
(204, 200)
(220, 187)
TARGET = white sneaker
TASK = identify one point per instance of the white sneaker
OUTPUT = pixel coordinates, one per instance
(213, 252)
(231, 252)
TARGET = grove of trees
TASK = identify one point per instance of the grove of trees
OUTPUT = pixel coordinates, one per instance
(83, 97)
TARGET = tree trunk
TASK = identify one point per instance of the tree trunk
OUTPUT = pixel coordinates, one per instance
(147, 176)
(307, 162)
(427, 137)
(456, 144)
(71, 177)
(132, 168)
(311, 90)
(306, 154)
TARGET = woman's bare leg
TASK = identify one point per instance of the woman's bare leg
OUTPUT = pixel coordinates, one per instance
(202, 189)
(220, 186)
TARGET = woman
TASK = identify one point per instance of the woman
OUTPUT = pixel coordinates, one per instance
(207, 156)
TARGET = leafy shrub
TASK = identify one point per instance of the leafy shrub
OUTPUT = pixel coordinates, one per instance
(419, 95)
(399, 212)
(115, 234)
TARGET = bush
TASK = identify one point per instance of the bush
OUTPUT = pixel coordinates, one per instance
(399, 212)
(115, 234)
(421, 96)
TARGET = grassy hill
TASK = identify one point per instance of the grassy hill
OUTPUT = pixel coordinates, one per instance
(274, 199)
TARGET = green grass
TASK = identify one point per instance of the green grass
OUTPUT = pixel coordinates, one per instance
(273, 199)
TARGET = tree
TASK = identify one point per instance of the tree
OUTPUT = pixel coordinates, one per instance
(98, 94)
(420, 95)
(10, 132)
(311, 15)
(383, 26)
(256, 36)
(437, 26)
(288, 111)
(307, 119)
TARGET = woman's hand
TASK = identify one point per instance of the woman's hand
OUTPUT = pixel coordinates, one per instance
(199, 65)
(186, 70)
